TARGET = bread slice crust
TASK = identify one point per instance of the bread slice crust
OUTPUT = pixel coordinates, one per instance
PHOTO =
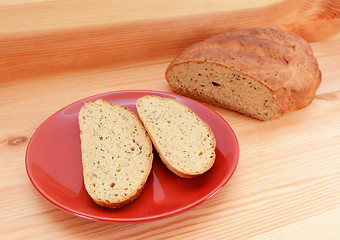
(116, 153)
(185, 143)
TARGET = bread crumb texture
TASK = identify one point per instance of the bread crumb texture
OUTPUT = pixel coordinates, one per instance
(262, 73)
(116, 153)
(184, 142)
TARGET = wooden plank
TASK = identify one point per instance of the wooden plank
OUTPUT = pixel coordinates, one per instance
(47, 38)
(286, 181)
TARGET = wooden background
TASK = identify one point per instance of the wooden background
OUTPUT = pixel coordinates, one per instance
(45, 38)
(53, 53)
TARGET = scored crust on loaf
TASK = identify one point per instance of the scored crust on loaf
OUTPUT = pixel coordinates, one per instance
(184, 142)
(262, 73)
(116, 153)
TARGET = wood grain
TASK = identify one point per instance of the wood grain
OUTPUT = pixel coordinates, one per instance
(53, 53)
(53, 38)
(285, 186)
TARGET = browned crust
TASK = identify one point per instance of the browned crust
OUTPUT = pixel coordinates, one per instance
(122, 203)
(277, 59)
(108, 204)
(164, 159)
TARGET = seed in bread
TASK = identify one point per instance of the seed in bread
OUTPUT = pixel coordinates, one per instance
(116, 153)
(184, 142)
(262, 73)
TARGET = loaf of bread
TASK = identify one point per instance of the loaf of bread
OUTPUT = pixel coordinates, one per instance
(116, 153)
(184, 142)
(262, 73)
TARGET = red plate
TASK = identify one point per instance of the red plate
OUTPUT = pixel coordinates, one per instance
(53, 164)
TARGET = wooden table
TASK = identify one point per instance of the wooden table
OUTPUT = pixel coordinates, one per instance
(52, 53)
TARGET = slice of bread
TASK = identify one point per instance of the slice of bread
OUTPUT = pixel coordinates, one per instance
(185, 143)
(116, 153)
